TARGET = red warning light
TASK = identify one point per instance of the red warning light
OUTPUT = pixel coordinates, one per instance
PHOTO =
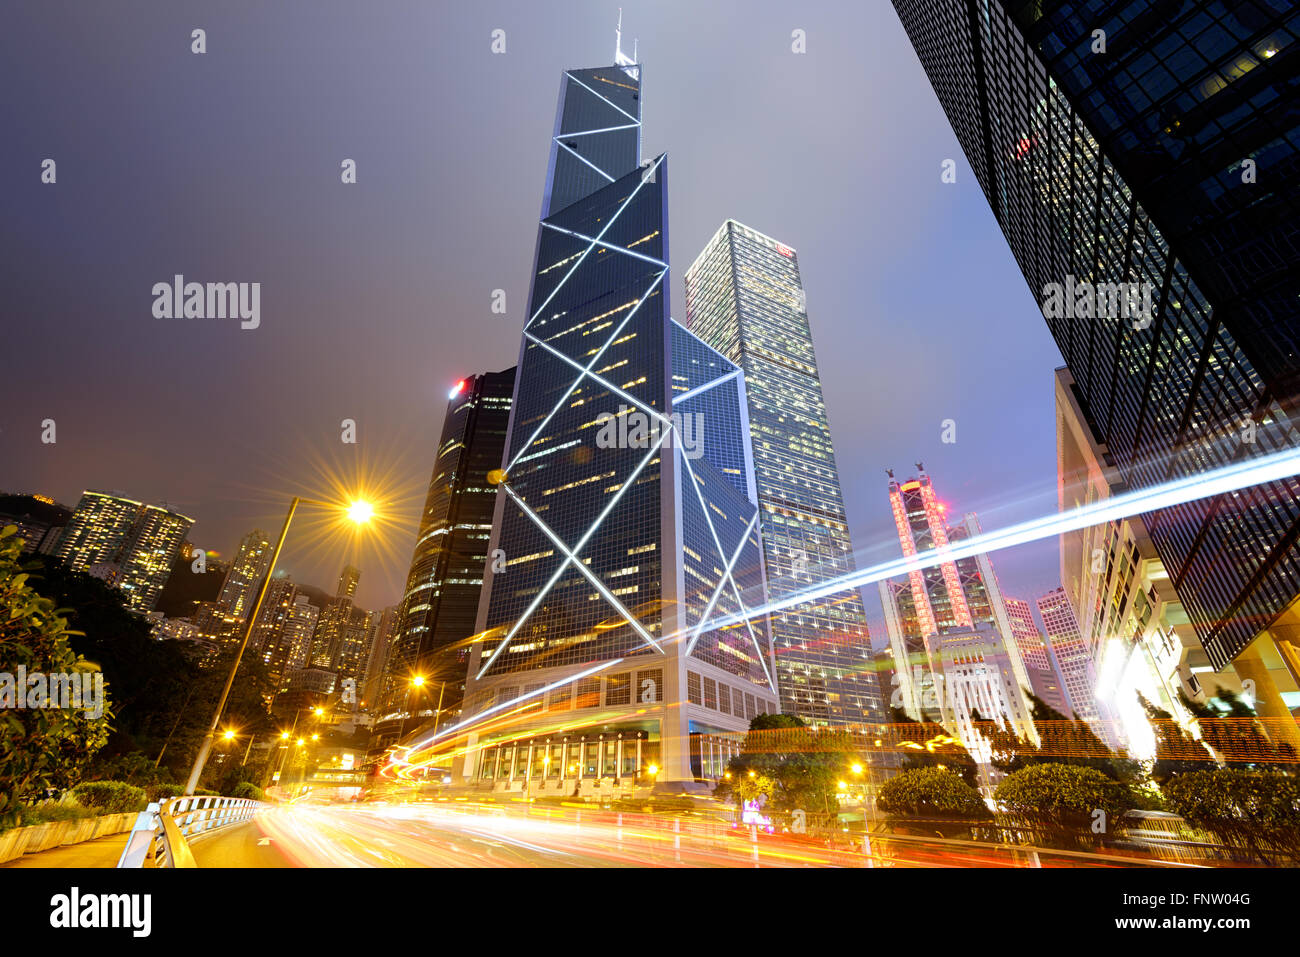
(459, 388)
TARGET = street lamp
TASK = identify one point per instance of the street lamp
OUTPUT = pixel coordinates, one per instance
(360, 512)
(868, 808)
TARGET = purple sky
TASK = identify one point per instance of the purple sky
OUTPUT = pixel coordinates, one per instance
(376, 296)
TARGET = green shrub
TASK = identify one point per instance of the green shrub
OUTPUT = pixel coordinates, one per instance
(160, 792)
(931, 792)
(1062, 796)
(110, 797)
(1255, 810)
(48, 811)
(40, 748)
(248, 790)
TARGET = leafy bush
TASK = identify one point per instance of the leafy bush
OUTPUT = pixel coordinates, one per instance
(48, 811)
(248, 790)
(160, 792)
(1062, 796)
(1255, 810)
(110, 797)
(40, 748)
(931, 792)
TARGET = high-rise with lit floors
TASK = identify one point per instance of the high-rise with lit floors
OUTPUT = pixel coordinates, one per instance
(348, 579)
(947, 597)
(1075, 662)
(129, 544)
(1131, 620)
(245, 573)
(1155, 144)
(440, 605)
(745, 298)
(618, 642)
(1043, 679)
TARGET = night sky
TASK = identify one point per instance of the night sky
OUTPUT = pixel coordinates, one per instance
(375, 299)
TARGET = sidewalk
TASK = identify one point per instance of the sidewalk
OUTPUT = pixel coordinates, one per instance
(102, 852)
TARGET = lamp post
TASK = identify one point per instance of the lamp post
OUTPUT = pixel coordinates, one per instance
(360, 512)
(857, 770)
(287, 737)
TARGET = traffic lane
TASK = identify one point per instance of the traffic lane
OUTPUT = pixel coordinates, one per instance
(336, 837)
(239, 845)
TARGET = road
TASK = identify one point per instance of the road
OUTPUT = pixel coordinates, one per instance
(432, 836)
(469, 835)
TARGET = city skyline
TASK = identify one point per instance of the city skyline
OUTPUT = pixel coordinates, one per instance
(938, 509)
(401, 424)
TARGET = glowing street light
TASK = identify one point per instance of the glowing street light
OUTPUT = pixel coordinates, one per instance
(358, 511)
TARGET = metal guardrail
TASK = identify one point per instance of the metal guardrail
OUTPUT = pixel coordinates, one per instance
(162, 830)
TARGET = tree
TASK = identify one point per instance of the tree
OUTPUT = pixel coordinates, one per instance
(932, 792)
(40, 747)
(1061, 795)
(794, 766)
(927, 744)
(1255, 810)
(1177, 752)
(1237, 736)
(163, 701)
(1072, 742)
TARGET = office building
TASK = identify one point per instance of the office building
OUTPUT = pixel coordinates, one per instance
(439, 608)
(745, 298)
(618, 635)
(1142, 644)
(1043, 679)
(1078, 673)
(955, 594)
(1150, 149)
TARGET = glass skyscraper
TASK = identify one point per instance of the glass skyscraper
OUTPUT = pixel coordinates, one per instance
(440, 605)
(744, 296)
(1155, 143)
(615, 644)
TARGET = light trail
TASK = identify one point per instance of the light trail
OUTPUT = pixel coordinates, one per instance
(1221, 481)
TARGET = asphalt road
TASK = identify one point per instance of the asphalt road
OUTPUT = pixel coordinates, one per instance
(431, 836)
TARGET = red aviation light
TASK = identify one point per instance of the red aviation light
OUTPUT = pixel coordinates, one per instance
(457, 389)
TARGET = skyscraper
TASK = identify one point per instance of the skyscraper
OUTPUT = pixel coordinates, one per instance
(1154, 144)
(1130, 617)
(245, 573)
(1043, 679)
(348, 579)
(128, 543)
(745, 298)
(626, 523)
(1077, 671)
(440, 606)
(953, 596)
(295, 638)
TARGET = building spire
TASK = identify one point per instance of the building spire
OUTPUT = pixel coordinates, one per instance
(621, 58)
